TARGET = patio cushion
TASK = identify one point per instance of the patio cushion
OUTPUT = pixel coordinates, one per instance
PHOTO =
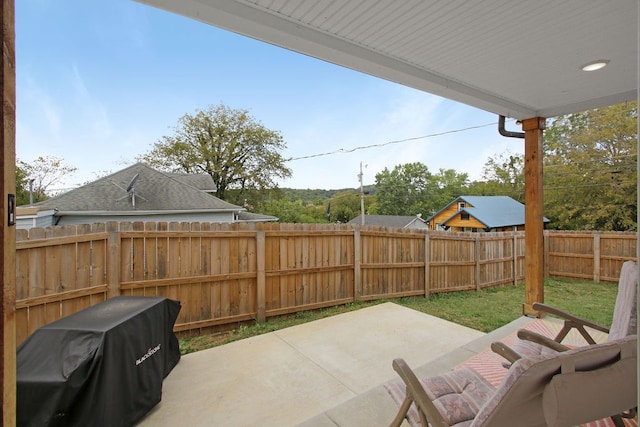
(458, 395)
(562, 390)
(625, 315)
(521, 394)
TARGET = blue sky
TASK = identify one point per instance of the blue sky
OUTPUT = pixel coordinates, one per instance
(99, 82)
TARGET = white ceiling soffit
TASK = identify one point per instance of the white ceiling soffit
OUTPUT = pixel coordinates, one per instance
(518, 58)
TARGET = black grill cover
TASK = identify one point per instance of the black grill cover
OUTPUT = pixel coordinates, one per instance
(102, 366)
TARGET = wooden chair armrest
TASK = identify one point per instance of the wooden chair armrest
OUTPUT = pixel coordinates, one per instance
(505, 351)
(419, 396)
(527, 335)
(567, 316)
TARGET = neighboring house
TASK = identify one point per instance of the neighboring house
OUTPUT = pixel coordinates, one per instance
(245, 216)
(480, 213)
(137, 193)
(33, 216)
(397, 221)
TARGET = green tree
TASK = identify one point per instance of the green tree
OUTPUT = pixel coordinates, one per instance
(22, 187)
(449, 185)
(292, 209)
(590, 169)
(39, 177)
(411, 189)
(287, 211)
(503, 175)
(344, 206)
(241, 155)
(405, 190)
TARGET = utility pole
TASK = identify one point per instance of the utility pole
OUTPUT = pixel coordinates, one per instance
(31, 191)
(361, 194)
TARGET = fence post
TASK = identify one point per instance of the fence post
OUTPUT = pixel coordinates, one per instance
(427, 265)
(477, 256)
(546, 244)
(357, 265)
(514, 253)
(113, 261)
(596, 257)
(261, 278)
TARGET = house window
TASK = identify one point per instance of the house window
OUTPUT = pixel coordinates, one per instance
(461, 205)
(464, 216)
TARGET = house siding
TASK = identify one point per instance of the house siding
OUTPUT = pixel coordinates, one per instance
(459, 224)
(511, 228)
(27, 222)
(28, 217)
(445, 214)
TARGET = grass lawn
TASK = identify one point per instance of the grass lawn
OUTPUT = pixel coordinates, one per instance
(484, 310)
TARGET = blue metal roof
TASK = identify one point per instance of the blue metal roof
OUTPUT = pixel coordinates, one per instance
(493, 211)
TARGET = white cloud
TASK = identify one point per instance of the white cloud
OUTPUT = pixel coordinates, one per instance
(89, 109)
(40, 107)
(438, 124)
(412, 112)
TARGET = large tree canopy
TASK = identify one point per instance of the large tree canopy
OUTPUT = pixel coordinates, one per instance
(590, 168)
(403, 190)
(241, 155)
(590, 164)
(411, 189)
(503, 175)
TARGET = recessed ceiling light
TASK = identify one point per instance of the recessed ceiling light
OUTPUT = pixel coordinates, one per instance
(595, 65)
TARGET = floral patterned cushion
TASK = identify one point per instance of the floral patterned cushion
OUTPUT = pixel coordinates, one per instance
(458, 395)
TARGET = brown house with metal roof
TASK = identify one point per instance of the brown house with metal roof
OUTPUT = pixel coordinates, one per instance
(480, 213)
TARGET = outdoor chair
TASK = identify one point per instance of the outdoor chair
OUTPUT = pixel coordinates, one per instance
(565, 389)
(624, 322)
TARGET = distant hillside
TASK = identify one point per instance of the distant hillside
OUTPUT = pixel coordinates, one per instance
(318, 194)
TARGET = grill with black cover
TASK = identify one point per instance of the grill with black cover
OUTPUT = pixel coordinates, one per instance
(102, 366)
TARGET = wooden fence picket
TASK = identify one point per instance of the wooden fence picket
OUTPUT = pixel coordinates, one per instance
(231, 273)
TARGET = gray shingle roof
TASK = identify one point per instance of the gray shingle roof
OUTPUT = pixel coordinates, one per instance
(493, 211)
(201, 181)
(154, 191)
(254, 217)
(399, 221)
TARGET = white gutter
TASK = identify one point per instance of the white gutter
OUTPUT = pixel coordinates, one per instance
(143, 213)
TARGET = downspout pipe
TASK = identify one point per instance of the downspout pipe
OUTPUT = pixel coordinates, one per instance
(507, 133)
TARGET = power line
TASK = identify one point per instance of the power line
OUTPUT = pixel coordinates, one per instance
(383, 144)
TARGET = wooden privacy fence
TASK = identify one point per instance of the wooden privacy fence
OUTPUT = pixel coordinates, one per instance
(593, 256)
(230, 273)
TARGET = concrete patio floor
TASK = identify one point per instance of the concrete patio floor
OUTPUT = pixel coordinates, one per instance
(325, 373)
